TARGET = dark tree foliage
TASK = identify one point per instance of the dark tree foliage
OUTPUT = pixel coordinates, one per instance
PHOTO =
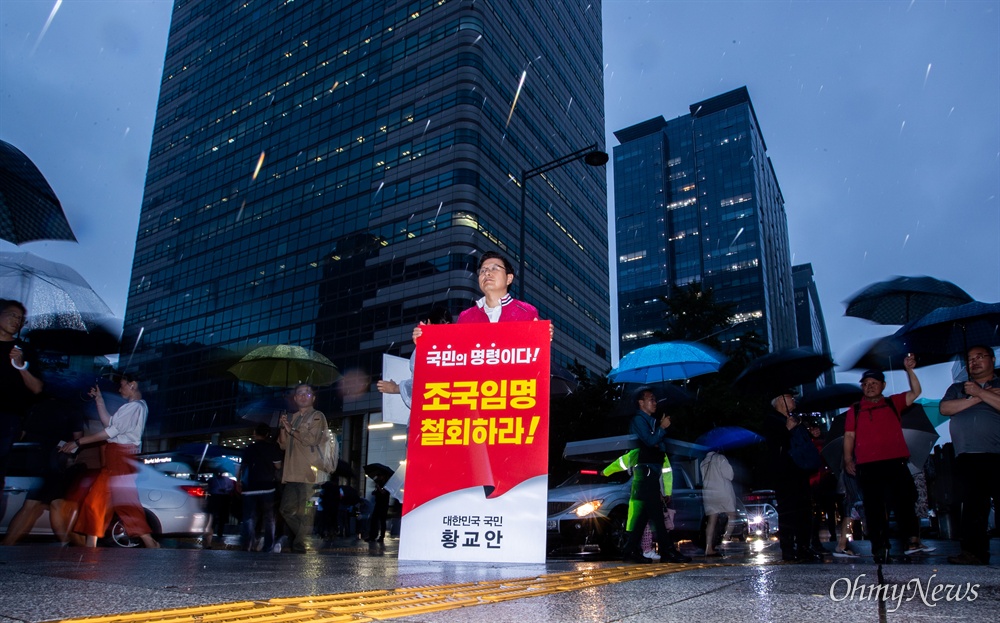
(581, 415)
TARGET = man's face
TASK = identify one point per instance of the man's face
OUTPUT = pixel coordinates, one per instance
(304, 397)
(494, 278)
(12, 319)
(872, 388)
(647, 403)
(981, 362)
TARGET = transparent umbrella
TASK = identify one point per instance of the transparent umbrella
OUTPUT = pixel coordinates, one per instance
(59, 301)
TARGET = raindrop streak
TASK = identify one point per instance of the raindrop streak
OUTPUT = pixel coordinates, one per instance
(239, 214)
(425, 128)
(379, 190)
(905, 240)
(901, 127)
(520, 85)
(927, 75)
(477, 40)
(738, 234)
(570, 100)
(45, 28)
(134, 346)
(127, 130)
(260, 163)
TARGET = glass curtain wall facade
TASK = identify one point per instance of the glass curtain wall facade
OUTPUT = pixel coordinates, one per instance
(809, 321)
(324, 173)
(697, 201)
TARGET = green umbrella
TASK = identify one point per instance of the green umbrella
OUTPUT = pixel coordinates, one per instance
(285, 365)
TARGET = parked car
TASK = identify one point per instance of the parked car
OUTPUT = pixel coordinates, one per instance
(763, 520)
(590, 509)
(174, 507)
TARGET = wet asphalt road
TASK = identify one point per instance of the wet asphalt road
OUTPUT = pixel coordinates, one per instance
(45, 582)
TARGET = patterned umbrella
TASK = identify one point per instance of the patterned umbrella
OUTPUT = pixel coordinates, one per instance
(29, 209)
(666, 361)
(952, 330)
(903, 299)
(285, 365)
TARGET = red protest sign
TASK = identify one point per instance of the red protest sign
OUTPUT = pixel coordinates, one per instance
(479, 426)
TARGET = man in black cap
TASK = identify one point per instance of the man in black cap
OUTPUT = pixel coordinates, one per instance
(793, 460)
(875, 451)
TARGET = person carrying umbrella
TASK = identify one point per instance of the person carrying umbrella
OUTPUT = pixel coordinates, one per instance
(974, 410)
(793, 459)
(18, 382)
(876, 452)
(645, 495)
(297, 436)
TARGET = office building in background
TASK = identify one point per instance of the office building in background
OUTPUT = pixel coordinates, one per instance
(324, 173)
(697, 201)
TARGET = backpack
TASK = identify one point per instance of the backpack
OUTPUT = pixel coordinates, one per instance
(326, 454)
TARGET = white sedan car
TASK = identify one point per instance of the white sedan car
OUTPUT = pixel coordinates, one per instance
(174, 507)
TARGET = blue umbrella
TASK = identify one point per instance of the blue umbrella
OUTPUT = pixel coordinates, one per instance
(666, 361)
(728, 438)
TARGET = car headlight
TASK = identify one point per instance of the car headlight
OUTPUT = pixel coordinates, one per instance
(587, 508)
(757, 519)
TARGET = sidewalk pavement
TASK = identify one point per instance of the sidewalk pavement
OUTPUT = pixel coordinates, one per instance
(44, 582)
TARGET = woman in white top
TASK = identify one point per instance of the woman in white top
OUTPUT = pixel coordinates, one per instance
(718, 494)
(114, 489)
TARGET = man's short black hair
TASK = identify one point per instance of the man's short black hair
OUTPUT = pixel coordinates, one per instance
(493, 255)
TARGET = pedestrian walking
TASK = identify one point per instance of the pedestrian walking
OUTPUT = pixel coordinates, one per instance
(114, 491)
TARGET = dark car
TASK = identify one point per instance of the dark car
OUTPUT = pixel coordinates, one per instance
(590, 510)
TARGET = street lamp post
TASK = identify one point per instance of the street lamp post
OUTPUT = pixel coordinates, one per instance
(591, 155)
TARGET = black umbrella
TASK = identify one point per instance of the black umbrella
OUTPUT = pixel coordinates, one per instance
(344, 470)
(952, 330)
(29, 208)
(828, 398)
(376, 470)
(265, 410)
(562, 382)
(888, 353)
(903, 299)
(773, 373)
(100, 339)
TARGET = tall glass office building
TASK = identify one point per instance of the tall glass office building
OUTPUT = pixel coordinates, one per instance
(323, 173)
(697, 201)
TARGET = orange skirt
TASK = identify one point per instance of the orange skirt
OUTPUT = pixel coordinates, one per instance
(114, 491)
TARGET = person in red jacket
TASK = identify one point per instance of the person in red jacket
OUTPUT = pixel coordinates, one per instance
(497, 305)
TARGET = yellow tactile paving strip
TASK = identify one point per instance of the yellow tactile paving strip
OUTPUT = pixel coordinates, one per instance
(390, 604)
